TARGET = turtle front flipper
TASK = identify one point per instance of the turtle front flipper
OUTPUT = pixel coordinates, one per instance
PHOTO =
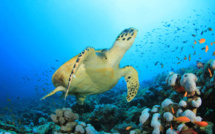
(131, 77)
(84, 55)
(59, 88)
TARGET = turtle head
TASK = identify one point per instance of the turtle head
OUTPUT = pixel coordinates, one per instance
(126, 38)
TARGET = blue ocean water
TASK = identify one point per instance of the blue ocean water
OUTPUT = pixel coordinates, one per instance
(38, 36)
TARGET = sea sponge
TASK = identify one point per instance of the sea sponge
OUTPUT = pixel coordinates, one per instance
(196, 103)
(144, 117)
(198, 118)
(189, 114)
(154, 122)
(182, 103)
(54, 118)
(59, 112)
(172, 80)
(90, 129)
(180, 127)
(79, 129)
(212, 65)
(188, 81)
(168, 76)
(171, 131)
(179, 112)
(155, 108)
(83, 124)
(166, 103)
(145, 110)
(156, 116)
(133, 132)
(168, 116)
(156, 131)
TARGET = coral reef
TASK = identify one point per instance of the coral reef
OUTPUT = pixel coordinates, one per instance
(186, 95)
(69, 123)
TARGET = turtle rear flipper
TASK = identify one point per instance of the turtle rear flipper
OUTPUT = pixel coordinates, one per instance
(131, 77)
(83, 56)
(59, 88)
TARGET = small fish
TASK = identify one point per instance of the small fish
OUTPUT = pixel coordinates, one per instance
(213, 53)
(192, 46)
(156, 63)
(185, 58)
(195, 42)
(201, 123)
(183, 119)
(8, 99)
(202, 41)
(178, 62)
(210, 72)
(162, 65)
(171, 127)
(172, 110)
(203, 48)
(211, 43)
(193, 35)
(194, 53)
(57, 60)
(202, 32)
(206, 48)
(185, 94)
(128, 128)
(189, 57)
(210, 29)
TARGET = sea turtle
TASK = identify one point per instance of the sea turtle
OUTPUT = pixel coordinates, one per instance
(94, 72)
